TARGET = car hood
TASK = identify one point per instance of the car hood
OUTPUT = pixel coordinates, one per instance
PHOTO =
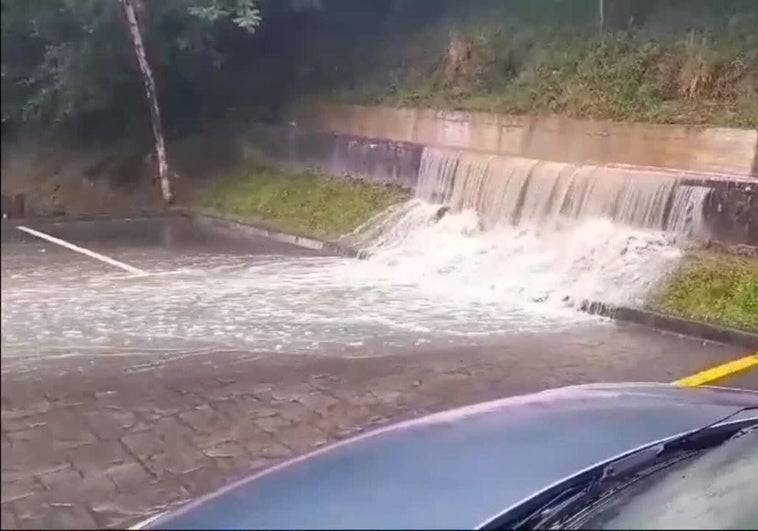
(460, 468)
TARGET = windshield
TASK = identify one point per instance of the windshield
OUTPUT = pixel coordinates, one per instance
(716, 489)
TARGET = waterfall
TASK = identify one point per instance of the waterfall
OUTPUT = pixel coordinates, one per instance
(550, 194)
(491, 229)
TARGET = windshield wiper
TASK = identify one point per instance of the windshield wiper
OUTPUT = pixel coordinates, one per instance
(555, 506)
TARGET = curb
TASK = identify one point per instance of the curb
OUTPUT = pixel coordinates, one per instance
(261, 229)
(670, 323)
(152, 214)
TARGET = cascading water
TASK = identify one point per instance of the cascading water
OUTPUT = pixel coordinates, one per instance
(527, 232)
(531, 192)
(490, 247)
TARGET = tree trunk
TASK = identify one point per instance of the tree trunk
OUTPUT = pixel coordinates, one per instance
(152, 98)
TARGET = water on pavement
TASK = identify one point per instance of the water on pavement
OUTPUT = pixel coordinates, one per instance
(222, 296)
(440, 284)
(519, 246)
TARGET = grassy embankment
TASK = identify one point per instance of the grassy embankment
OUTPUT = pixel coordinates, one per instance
(677, 70)
(304, 203)
(713, 287)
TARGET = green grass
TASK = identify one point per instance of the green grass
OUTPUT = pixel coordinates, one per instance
(305, 203)
(713, 287)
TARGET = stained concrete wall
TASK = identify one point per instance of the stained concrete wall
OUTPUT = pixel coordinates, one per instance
(13, 206)
(378, 160)
(386, 145)
(730, 212)
(730, 152)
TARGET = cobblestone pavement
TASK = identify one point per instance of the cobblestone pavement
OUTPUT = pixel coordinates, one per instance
(95, 440)
(103, 446)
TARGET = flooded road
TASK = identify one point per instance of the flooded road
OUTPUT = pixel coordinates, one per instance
(210, 288)
(126, 394)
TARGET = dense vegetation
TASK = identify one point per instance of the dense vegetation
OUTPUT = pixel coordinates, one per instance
(71, 63)
(667, 62)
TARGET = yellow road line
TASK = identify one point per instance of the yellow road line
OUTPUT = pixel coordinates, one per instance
(720, 371)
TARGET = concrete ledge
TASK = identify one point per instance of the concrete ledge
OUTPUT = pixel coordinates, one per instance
(674, 324)
(266, 231)
(371, 159)
(12, 222)
(730, 210)
(695, 148)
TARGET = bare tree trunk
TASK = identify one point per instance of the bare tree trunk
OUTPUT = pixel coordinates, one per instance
(152, 98)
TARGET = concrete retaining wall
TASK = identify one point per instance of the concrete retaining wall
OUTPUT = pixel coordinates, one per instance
(385, 145)
(730, 212)
(378, 160)
(730, 152)
(13, 206)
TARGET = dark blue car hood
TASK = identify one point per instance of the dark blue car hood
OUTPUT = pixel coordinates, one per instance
(460, 468)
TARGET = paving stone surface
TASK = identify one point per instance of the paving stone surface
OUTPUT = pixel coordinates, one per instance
(106, 439)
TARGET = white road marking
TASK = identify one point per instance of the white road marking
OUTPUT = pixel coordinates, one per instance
(92, 254)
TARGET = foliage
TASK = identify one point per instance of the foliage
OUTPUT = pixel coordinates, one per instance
(678, 65)
(306, 203)
(53, 54)
(72, 59)
(714, 287)
(244, 13)
(682, 61)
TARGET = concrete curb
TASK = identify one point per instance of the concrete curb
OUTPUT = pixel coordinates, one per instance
(260, 229)
(152, 214)
(678, 325)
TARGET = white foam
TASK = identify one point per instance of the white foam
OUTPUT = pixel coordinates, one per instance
(522, 246)
(531, 267)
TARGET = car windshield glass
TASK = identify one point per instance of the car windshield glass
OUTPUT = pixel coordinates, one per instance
(716, 490)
